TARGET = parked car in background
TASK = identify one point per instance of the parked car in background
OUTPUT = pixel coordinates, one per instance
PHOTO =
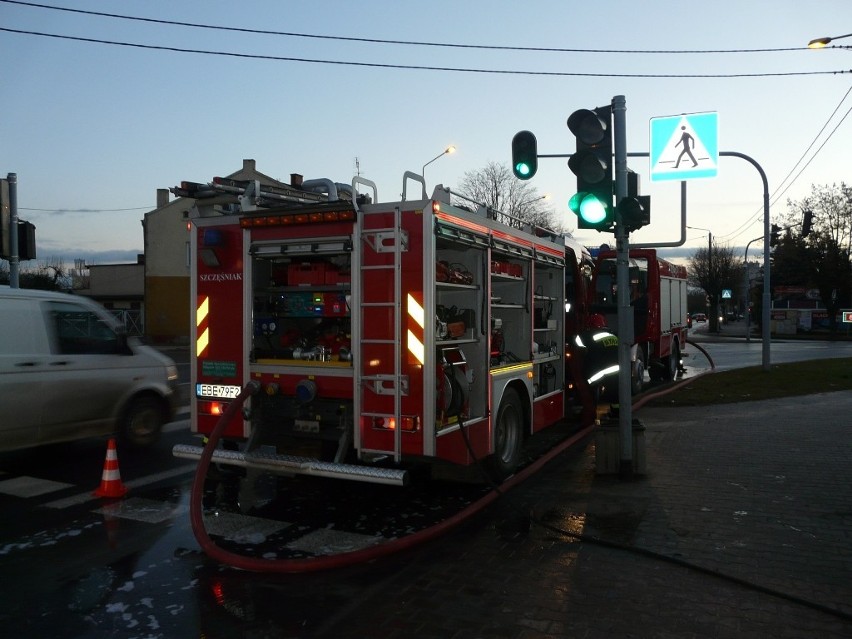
(69, 371)
(699, 317)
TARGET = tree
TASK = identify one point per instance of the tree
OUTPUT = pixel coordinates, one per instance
(47, 275)
(791, 261)
(832, 209)
(519, 201)
(831, 274)
(822, 259)
(79, 275)
(715, 269)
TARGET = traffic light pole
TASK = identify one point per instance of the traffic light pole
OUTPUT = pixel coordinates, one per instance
(625, 316)
(14, 258)
(767, 297)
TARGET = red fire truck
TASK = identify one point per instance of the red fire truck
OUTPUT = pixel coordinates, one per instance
(658, 296)
(382, 335)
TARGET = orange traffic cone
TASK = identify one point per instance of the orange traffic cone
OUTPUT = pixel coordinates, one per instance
(111, 485)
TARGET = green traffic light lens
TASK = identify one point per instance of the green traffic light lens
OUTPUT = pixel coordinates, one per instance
(522, 168)
(592, 210)
(574, 203)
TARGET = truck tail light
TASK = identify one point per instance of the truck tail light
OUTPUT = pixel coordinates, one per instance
(212, 408)
(410, 423)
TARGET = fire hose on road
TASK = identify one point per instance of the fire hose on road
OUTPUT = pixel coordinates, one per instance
(328, 562)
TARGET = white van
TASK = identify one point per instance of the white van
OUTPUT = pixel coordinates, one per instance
(68, 371)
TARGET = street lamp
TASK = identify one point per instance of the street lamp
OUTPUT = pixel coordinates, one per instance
(546, 196)
(747, 284)
(448, 150)
(819, 43)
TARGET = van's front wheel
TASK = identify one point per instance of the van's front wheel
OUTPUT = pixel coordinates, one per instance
(142, 422)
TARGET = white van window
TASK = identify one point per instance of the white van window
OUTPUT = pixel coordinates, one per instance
(80, 331)
(14, 340)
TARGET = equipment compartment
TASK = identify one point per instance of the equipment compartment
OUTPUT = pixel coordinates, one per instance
(309, 318)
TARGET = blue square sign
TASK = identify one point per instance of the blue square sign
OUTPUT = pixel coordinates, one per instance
(684, 147)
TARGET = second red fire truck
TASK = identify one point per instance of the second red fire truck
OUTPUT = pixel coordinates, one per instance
(658, 296)
(381, 335)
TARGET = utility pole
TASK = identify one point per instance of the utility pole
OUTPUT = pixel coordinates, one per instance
(625, 315)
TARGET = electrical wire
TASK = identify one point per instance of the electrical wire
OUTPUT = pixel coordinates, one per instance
(134, 208)
(816, 137)
(775, 194)
(813, 157)
(414, 67)
(291, 34)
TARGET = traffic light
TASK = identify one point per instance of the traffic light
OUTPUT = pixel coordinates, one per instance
(773, 235)
(807, 223)
(524, 155)
(26, 241)
(635, 211)
(592, 164)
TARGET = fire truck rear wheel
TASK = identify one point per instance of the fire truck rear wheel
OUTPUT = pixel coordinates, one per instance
(508, 436)
(673, 361)
(637, 380)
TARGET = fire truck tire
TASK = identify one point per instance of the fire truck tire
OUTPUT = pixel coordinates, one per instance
(673, 361)
(637, 379)
(142, 421)
(508, 436)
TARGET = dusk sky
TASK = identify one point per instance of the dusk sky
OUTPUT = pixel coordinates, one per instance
(93, 127)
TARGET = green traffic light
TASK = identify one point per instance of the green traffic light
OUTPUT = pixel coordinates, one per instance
(588, 207)
(574, 203)
(524, 155)
(592, 210)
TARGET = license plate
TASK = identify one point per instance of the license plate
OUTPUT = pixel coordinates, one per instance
(306, 426)
(217, 391)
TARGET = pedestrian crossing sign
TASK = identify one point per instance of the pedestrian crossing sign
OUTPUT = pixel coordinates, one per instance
(684, 147)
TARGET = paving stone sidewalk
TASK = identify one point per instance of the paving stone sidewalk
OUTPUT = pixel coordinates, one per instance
(742, 527)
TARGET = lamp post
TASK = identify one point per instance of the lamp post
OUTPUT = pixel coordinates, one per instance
(448, 150)
(747, 284)
(519, 209)
(819, 43)
(709, 267)
(520, 206)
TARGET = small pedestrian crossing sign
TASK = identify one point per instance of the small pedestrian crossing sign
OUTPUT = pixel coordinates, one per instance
(684, 147)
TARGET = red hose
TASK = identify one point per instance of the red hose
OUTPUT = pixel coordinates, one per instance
(341, 560)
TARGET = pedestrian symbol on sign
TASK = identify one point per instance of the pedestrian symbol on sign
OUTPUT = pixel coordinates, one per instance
(688, 142)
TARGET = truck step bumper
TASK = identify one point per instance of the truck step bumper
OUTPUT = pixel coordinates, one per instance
(293, 465)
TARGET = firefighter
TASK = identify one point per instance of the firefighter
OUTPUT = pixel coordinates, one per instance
(595, 365)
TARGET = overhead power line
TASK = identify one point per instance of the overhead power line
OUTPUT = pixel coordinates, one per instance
(135, 208)
(254, 56)
(291, 34)
(777, 195)
(781, 189)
